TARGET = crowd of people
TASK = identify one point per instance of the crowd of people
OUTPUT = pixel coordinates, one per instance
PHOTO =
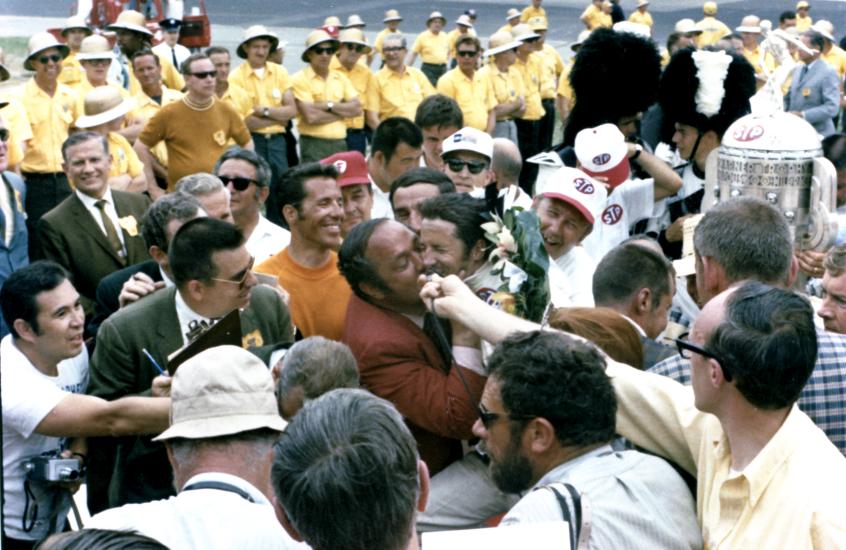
(446, 318)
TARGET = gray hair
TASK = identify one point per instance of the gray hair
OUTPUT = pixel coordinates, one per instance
(200, 184)
(507, 161)
(749, 238)
(395, 37)
(81, 137)
(317, 365)
(351, 452)
(263, 172)
(174, 206)
(247, 450)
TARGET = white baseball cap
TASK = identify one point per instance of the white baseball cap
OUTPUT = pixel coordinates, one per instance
(578, 189)
(602, 151)
(469, 139)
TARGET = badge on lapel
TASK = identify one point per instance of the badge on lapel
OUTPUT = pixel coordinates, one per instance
(806, 92)
(129, 224)
(220, 137)
(252, 340)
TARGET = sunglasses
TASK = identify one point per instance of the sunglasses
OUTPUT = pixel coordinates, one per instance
(392, 49)
(44, 59)
(205, 74)
(357, 48)
(467, 53)
(327, 50)
(239, 184)
(4, 134)
(99, 62)
(474, 167)
(489, 418)
(240, 282)
(686, 349)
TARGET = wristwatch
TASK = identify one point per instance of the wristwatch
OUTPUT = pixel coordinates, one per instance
(329, 105)
(265, 112)
(638, 151)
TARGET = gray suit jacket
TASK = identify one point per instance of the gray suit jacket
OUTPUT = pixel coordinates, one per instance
(816, 96)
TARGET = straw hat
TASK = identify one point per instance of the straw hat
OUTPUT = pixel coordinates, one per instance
(523, 32)
(94, 47)
(354, 21)
(436, 15)
(825, 28)
(354, 36)
(332, 21)
(750, 23)
(39, 42)
(580, 40)
(709, 8)
(75, 22)
(131, 20)
(512, 13)
(104, 104)
(687, 26)
(391, 15)
(256, 31)
(501, 42)
(538, 23)
(314, 38)
(464, 20)
(641, 3)
(802, 5)
(635, 28)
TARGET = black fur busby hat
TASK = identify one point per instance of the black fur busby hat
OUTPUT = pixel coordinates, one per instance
(615, 75)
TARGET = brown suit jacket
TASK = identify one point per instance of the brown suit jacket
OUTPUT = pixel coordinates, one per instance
(70, 236)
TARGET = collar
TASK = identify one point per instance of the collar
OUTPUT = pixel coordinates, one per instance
(416, 319)
(235, 481)
(168, 282)
(90, 202)
(635, 325)
(185, 314)
(264, 227)
(562, 470)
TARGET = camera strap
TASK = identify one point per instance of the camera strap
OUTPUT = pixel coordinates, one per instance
(220, 486)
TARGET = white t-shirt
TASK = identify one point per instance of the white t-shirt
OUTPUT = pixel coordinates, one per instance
(28, 397)
(628, 203)
(578, 267)
(267, 239)
(381, 203)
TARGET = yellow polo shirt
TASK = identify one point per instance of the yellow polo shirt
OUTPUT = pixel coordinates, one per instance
(266, 90)
(592, 17)
(50, 118)
(836, 58)
(552, 66)
(432, 48)
(504, 86)
(564, 88)
(170, 76)
(311, 87)
(644, 18)
(789, 496)
(72, 71)
(531, 11)
(17, 122)
(473, 95)
(712, 31)
(505, 28)
(753, 57)
(84, 86)
(454, 35)
(145, 110)
(360, 77)
(397, 94)
(530, 73)
(803, 23)
(377, 43)
(124, 159)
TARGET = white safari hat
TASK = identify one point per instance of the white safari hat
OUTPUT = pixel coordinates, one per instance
(512, 13)
(354, 36)
(104, 104)
(75, 22)
(464, 21)
(577, 189)
(354, 21)
(94, 47)
(256, 31)
(750, 23)
(39, 42)
(436, 15)
(314, 38)
(523, 32)
(602, 151)
(825, 28)
(687, 26)
(131, 20)
(223, 390)
(469, 139)
(580, 40)
(501, 42)
(391, 15)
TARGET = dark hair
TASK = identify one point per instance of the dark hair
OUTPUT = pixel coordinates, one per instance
(468, 39)
(192, 248)
(439, 110)
(785, 15)
(18, 296)
(185, 68)
(263, 172)
(317, 365)
(834, 149)
(606, 328)
(100, 539)
(466, 213)
(145, 52)
(817, 39)
(393, 131)
(749, 238)
(293, 187)
(835, 260)
(767, 342)
(350, 452)
(553, 376)
(672, 39)
(352, 263)
(626, 269)
(422, 175)
(212, 50)
(173, 206)
(81, 137)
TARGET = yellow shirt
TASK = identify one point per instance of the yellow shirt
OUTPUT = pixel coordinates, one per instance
(754, 58)
(238, 99)
(124, 159)
(360, 77)
(472, 95)
(592, 17)
(311, 87)
(712, 31)
(145, 110)
(644, 18)
(84, 86)
(505, 28)
(170, 76)
(432, 48)
(605, 21)
(504, 86)
(377, 43)
(530, 74)
(50, 118)
(552, 66)
(803, 23)
(564, 88)
(72, 71)
(789, 496)
(17, 122)
(531, 11)
(836, 58)
(454, 35)
(267, 90)
(397, 94)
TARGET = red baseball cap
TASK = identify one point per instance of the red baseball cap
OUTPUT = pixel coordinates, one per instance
(351, 166)
(602, 151)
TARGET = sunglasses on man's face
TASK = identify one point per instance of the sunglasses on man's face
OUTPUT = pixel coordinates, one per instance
(4, 134)
(533, 40)
(474, 166)
(204, 74)
(467, 53)
(357, 48)
(327, 50)
(239, 184)
(44, 59)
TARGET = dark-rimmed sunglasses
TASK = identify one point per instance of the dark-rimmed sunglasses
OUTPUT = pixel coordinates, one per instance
(686, 349)
(205, 74)
(357, 48)
(325, 50)
(239, 184)
(467, 53)
(489, 418)
(4, 134)
(473, 166)
(44, 59)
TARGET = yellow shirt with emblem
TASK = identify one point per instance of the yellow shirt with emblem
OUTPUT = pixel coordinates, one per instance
(360, 77)
(454, 35)
(836, 58)
(504, 86)
(552, 67)
(473, 96)
(530, 73)
(432, 48)
(644, 18)
(397, 94)
(145, 110)
(124, 159)
(377, 42)
(311, 87)
(712, 31)
(17, 122)
(592, 17)
(72, 71)
(531, 11)
(803, 23)
(50, 119)
(266, 90)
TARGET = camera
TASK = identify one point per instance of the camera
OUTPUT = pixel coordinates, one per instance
(53, 468)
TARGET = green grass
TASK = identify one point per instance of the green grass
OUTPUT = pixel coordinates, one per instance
(14, 45)
(14, 50)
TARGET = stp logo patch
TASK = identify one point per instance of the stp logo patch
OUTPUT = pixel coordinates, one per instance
(584, 186)
(748, 133)
(612, 214)
(599, 160)
(340, 166)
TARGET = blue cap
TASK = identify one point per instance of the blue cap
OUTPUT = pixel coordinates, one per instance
(170, 24)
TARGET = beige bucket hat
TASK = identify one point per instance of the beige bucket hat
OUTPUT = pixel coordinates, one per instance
(391, 15)
(354, 36)
(436, 15)
(75, 22)
(750, 23)
(464, 21)
(94, 47)
(501, 42)
(523, 32)
(39, 42)
(512, 13)
(314, 38)
(354, 21)
(131, 20)
(256, 31)
(104, 104)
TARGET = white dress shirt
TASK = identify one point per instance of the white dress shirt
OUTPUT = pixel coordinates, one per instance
(90, 202)
(267, 239)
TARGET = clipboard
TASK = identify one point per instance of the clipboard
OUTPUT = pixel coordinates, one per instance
(226, 332)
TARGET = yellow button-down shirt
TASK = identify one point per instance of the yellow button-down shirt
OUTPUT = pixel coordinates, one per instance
(50, 118)
(397, 94)
(473, 96)
(311, 87)
(530, 73)
(17, 122)
(124, 159)
(238, 99)
(836, 58)
(644, 18)
(552, 66)
(564, 88)
(145, 110)
(592, 17)
(432, 48)
(267, 90)
(531, 11)
(754, 58)
(789, 496)
(360, 76)
(712, 31)
(72, 71)
(803, 23)
(504, 86)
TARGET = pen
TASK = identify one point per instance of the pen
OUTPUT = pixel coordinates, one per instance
(153, 361)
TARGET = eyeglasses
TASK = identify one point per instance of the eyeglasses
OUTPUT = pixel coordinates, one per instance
(357, 48)
(99, 62)
(242, 281)
(392, 49)
(686, 349)
(467, 53)
(205, 74)
(239, 184)
(44, 59)
(4, 134)
(474, 167)
(489, 418)
(532, 40)
(327, 50)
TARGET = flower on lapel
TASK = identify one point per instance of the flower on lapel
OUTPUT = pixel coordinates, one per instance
(252, 340)
(129, 224)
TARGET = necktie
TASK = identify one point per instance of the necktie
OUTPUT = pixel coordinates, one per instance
(803, 73)
(440, 333)
(173, 56)
(111, 233)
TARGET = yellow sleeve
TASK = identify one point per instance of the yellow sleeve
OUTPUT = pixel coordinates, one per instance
(284, 80)
(418, 44)
(445, 86)
(134, 165)
(371, 99)
(425, 85)
(301, 89)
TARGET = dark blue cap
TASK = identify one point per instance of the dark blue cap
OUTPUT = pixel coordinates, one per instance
(170, 24)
